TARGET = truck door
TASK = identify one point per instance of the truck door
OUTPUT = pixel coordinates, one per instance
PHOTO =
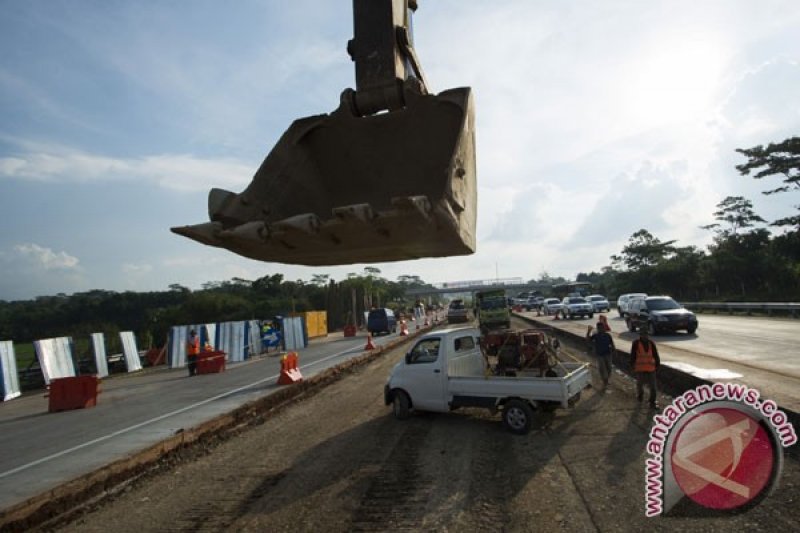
(426, 379)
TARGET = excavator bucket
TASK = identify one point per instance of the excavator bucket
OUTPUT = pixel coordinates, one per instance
(342, 188)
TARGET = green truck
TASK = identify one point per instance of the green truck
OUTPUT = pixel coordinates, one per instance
(491, 308)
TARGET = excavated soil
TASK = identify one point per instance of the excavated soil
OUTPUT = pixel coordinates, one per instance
(339, 461)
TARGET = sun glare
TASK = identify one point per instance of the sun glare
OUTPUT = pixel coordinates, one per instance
(674, 80)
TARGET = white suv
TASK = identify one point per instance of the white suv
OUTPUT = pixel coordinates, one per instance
(624, 302)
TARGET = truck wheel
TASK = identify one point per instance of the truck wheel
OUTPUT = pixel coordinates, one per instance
(629, 323)
(651, 329)
(691, 331)
(517, 417)
(401, 405)
(591, 315)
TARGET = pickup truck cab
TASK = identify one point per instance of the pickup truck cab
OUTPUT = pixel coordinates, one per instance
(446, 369)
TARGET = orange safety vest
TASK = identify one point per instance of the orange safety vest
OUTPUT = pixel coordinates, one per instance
(645, 362)
(193, 346)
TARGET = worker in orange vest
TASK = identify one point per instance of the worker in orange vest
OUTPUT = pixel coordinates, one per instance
(645, 362)
(192, 351)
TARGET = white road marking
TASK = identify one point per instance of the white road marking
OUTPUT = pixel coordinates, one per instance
(159, 418)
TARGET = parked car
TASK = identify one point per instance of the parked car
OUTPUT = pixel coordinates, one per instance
(599, 302)
(457, 312)
(381, 320)
(624, 301)
(577, 306)
(659, 314)
(551, 306)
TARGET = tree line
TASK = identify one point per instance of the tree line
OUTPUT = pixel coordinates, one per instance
(745, 262)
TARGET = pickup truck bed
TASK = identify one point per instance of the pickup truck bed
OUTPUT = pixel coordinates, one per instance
(572, 379)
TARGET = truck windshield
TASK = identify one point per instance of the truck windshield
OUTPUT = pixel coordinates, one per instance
(493, 303)
(662, 305)
(426, 351)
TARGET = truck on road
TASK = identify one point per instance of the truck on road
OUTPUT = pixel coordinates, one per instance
(491, 309)
(447, 369)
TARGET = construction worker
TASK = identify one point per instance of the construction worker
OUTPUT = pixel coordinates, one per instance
(192, 351)
(645, 362)
(604, 349)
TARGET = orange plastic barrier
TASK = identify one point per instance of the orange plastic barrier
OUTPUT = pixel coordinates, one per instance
(211, 362)
(77, 392)
(350, 330)
(156, 356)
(289, 371)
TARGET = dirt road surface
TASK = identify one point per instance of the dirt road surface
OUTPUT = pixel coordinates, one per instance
(339, 461)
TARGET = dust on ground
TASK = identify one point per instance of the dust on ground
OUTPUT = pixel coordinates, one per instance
(339, 461)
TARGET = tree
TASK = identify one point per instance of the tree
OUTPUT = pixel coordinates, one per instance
(781, 158)
(320, 279)
(737, 212)
(643, 250)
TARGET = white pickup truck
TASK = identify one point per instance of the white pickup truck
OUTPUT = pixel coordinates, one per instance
(446, 370)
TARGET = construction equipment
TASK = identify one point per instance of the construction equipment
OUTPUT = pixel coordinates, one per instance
(388, 176)
(525, 350)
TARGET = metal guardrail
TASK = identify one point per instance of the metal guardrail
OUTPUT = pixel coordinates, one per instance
(791, 308)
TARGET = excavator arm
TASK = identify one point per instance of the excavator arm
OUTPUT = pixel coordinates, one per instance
(388, 176)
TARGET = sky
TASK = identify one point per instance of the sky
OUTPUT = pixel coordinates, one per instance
(593, 120)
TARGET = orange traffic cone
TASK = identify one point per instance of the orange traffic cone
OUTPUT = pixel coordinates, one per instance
(369, 345)
(556, 317)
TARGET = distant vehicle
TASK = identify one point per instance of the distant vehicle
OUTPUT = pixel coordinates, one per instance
(457, 312)
(660, 314)
(551, 306)
(526, 301)
(624, 300)
(599, 302)
(577, 306)
(533, 303)
(381, 320)
(492, 309)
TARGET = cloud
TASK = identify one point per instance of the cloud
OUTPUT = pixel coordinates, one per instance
(33, 270)
(136, 270)
(183, 172)
(46, 257)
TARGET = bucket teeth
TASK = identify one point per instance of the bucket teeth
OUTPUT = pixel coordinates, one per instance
(419, 205)
(307, 223)
(207, 232)
(218, 200)
(355, 213)
(249, 232)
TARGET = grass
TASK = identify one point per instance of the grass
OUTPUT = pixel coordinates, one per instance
(26, 353)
